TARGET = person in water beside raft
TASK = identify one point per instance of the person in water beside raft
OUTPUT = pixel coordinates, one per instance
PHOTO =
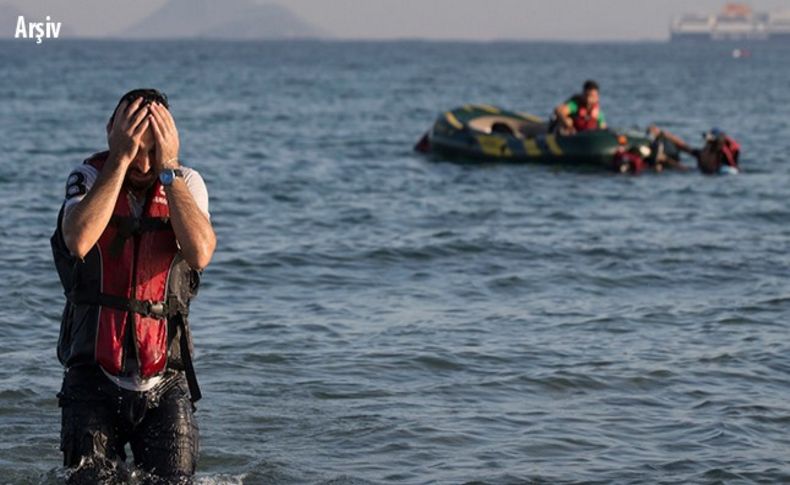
(132, 238)
(719, 155)
(665, 150)
(581, 112)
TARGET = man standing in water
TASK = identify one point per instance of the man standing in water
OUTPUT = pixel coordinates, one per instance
(133, 236)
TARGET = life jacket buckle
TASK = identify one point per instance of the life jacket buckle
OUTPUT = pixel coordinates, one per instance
(156, 309)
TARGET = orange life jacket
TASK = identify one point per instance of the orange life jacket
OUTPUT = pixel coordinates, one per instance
(585, 119)
(731, 151)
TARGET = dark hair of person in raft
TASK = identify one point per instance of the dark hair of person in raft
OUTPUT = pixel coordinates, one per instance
(590, 84)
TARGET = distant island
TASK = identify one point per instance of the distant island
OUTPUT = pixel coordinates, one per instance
(230, 19)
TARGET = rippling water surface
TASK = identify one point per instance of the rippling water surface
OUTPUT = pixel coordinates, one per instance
(375, 317)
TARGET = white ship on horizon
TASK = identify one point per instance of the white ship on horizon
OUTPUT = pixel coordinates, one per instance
(735, 22)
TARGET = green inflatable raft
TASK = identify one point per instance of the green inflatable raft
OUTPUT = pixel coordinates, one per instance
(488, 133)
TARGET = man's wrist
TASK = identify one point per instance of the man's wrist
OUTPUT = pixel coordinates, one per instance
(169, 187)
(171, 164)
(119, 160)
(169, 175)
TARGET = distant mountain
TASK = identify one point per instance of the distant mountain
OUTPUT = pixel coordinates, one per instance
(230, 19)
(9, 14)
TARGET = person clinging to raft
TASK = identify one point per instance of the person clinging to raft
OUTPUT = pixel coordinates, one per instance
(719, 154)
(666, 147)
(132, 238)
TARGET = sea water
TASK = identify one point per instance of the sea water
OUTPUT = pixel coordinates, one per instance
(373, 316)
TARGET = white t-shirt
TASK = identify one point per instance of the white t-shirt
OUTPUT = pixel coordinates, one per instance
(82, 178)
(79, 183)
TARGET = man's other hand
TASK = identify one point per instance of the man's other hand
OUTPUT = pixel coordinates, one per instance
(166, 136)
(129, 124)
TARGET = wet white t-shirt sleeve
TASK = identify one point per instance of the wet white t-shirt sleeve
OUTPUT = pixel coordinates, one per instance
(80, 181)
(82, 178)
(197, 187)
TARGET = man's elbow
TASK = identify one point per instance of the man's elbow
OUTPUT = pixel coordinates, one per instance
(76, 246)
(560, 111)
(201, 259)
(199, 263)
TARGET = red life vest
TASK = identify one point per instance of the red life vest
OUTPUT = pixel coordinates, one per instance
(628, 162)
(717, 153)
(134, 266)
(586, 119)
(730, 151)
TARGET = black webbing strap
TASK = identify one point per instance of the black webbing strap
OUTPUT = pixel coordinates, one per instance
(131, 226)
(155, 309)
(186, 358)
(147, 308)
(128, 225)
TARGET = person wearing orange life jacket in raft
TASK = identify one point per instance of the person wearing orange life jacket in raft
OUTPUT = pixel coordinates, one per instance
(581, 112)
(132, 238)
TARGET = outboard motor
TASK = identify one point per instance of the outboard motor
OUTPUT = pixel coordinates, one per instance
(720, 154)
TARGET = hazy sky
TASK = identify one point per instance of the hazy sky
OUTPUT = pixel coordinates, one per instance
(434, 19)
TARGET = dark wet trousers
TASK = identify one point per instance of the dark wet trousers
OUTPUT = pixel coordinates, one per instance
(99, 419)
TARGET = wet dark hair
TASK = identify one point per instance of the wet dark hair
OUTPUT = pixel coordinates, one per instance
(590, 85)
(149, 96)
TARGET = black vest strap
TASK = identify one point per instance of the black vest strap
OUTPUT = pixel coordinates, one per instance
(147, 308)
(132, 226)
(128, 225)
(186, 357)
(159, 309)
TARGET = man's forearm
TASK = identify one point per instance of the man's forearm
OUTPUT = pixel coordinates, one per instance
(677, 141)
(85, 222)
(192, 227)
(564, 116)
